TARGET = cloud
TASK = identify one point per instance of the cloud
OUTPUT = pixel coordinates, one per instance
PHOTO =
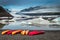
(26, 2)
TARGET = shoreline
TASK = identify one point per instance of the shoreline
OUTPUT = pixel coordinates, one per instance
(26, 29)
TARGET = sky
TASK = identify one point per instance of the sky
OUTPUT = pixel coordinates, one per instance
(22, 4)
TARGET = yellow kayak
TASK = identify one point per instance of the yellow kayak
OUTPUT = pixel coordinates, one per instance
(25, 32)
(16, 31)
(4, 32)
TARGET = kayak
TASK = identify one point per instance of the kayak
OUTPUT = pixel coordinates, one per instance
(16, 31)
(4, 32)
(10, 32)
(25, 32)
(35, 32)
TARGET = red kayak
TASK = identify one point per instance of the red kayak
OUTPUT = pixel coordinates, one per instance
(10, 32)
(36, 32)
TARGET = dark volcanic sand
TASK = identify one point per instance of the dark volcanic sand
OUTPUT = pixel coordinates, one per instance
(49, 35)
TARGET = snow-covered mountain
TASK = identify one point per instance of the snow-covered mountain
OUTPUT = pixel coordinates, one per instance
(39, 9)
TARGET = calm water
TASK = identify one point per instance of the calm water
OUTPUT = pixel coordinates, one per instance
(17, 25)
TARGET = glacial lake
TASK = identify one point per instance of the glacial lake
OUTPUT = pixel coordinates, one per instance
(18, 25)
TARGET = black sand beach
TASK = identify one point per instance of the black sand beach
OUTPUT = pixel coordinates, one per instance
(49, 35)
